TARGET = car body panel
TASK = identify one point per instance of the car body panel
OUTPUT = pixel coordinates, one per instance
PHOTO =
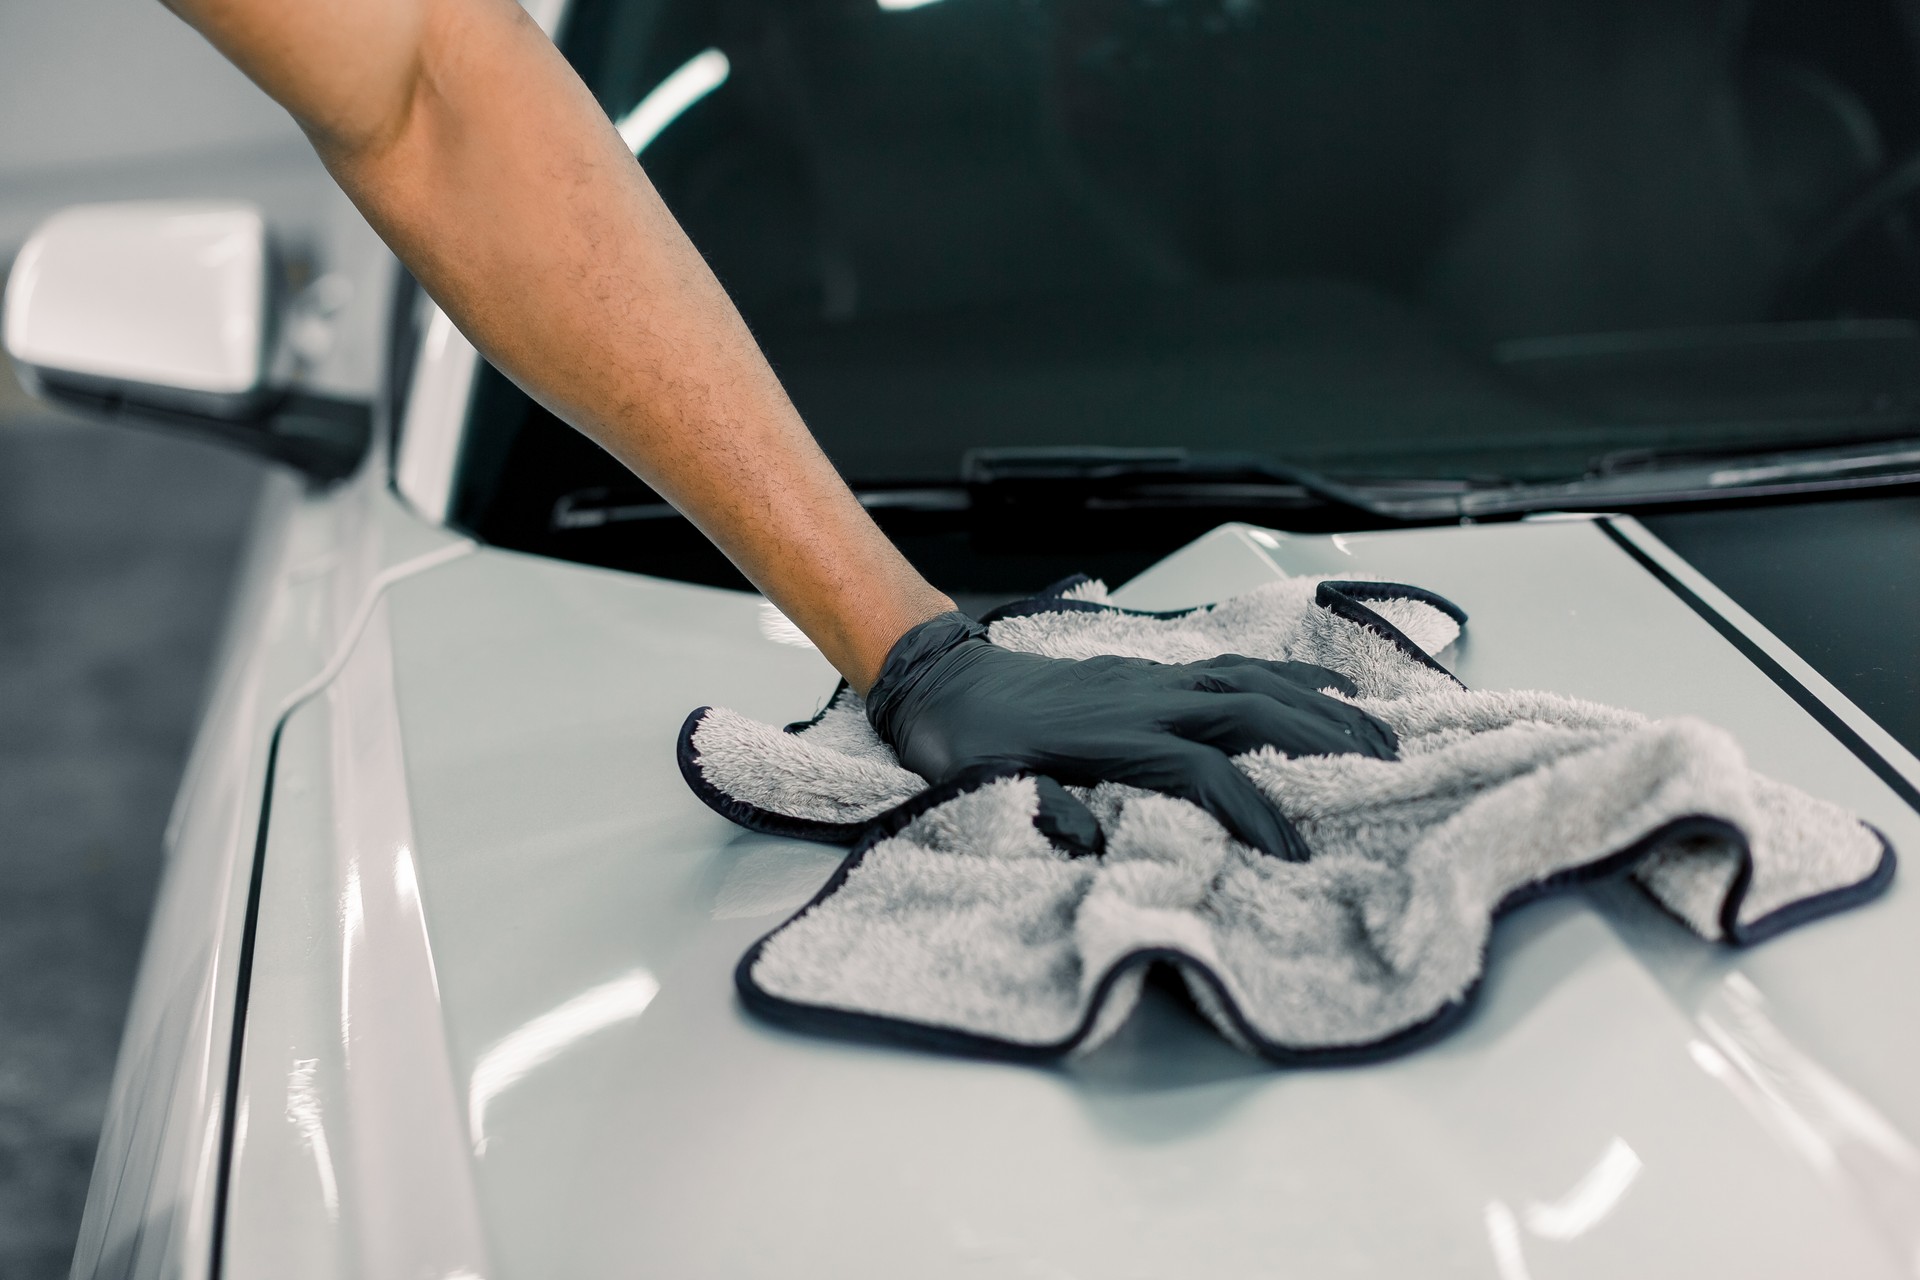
(548, 1019)
(170, 294)
(395, 1194)
(1838, 582)
(316, 563)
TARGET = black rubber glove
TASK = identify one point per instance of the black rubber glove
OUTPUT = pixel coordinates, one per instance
(949, 701)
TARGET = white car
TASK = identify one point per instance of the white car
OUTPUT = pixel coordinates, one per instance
(440, 982)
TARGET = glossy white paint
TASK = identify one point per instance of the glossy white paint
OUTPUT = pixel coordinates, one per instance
(435, 414)
(492, 981)
(316, 563)
(1796, 666)
(168, 294)
(357, 1090)
(1626, 1100)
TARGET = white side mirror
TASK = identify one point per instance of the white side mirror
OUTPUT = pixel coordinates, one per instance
(172, 297)
(165, 312)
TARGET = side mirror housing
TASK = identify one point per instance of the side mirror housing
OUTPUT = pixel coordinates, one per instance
(170, 313)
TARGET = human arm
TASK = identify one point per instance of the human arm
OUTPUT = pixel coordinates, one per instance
(478, 155)
(482, 160)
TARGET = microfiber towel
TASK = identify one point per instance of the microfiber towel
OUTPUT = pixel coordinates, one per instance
(965, 919)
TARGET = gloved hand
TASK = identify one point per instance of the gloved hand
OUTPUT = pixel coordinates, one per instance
(948, 700)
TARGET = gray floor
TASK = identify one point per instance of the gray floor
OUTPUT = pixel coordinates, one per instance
(116, 552)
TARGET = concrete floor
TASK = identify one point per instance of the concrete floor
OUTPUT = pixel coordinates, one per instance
(116, 552)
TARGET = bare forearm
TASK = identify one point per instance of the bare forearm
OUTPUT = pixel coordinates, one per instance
(497, 180)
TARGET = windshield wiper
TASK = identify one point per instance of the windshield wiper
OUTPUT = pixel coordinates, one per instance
(1095, 478)
(1104, 478)
(1117, 478)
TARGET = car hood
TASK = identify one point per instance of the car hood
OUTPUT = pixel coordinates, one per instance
(493, 1027)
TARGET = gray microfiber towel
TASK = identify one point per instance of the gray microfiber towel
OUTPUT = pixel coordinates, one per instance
(963, 920)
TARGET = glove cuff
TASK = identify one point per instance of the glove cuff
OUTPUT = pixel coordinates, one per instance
(911, 657)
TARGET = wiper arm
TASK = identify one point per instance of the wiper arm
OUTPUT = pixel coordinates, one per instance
(1105, 477)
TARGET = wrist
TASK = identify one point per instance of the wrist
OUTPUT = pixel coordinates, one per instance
(885, 633)
(911, 659)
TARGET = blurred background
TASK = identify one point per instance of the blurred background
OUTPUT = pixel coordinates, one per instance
(116, 550)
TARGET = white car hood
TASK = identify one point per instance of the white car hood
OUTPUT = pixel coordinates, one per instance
(493, 1029)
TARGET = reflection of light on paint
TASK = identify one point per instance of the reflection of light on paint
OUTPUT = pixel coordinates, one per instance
(239, 1128)
(896, 5)
(1591, 1199)
(779, 628)
(406, 883)
(1786, 1124)
(303, 1111)
(697, 77)
(1849, 1143)
(20, 286)
(353, 923)
(235, 246)
(549, 1035)
(1264, 538)
(1503, 1236)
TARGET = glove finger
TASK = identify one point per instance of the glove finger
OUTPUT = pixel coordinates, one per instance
(1378, 739)
(1207, 778)
(1256, 675)
(1065, 821)
(1312, 726)
(1287, 687)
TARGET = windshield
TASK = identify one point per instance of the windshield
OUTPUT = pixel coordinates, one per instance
(1473, 240)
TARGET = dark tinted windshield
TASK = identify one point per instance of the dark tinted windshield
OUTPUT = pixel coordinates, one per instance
(1468, 238)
